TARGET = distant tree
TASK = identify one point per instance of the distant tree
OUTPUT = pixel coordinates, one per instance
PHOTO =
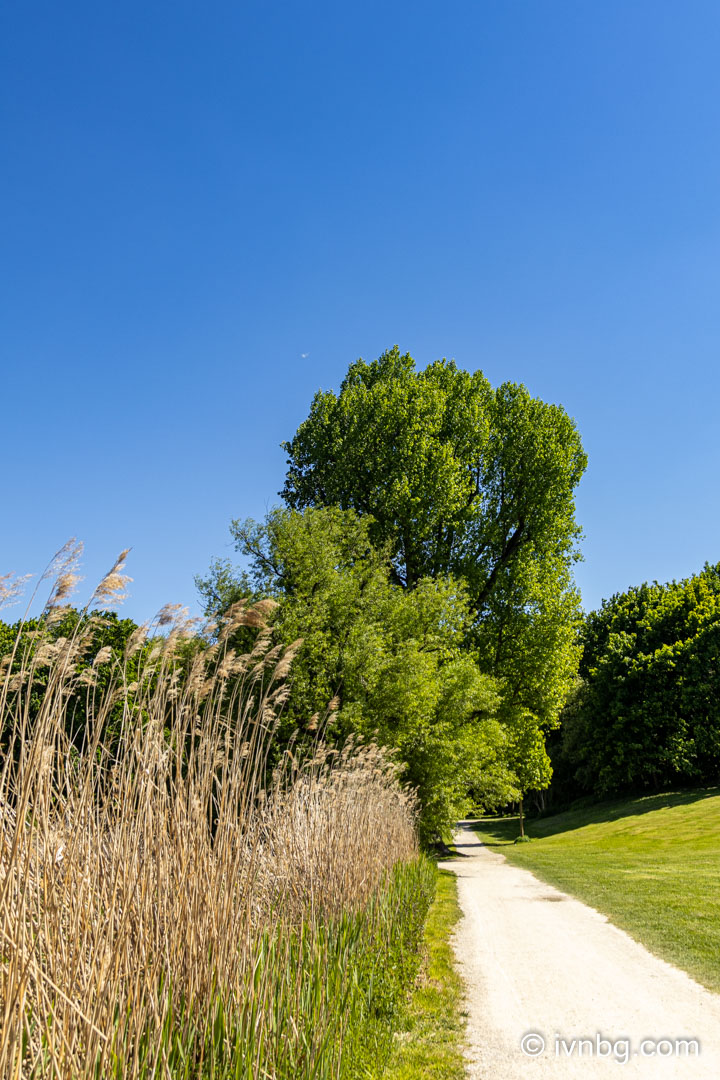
(99, 633)
(527, 757)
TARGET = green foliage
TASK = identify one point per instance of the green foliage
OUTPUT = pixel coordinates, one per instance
(394, 662)
(223, 586)
(461, 480)
(527, 754)
(330, 581)
(646, 713)
(410, 680)
(398, 446)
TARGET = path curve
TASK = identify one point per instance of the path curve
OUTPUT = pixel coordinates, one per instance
(538, 962)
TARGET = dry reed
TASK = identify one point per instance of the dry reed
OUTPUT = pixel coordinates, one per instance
(148, 867)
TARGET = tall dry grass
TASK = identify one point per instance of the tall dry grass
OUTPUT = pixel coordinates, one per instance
(167, 907)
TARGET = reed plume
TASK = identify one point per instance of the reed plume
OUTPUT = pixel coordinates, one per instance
(158, 884)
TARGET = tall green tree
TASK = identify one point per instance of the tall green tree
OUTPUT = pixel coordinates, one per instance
(465, 480)
(394, 662)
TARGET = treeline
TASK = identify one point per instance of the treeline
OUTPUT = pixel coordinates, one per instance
(645, 712)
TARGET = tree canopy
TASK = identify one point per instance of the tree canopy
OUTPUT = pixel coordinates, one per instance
(392, 663)
(460, 479)
(646, 711)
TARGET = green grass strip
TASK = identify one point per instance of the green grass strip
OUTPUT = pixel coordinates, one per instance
(652, 865)
(429, 1042)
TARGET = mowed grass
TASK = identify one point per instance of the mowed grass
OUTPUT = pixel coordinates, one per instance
(652, 865)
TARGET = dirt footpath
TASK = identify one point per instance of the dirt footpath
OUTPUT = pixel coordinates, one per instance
(555, 990)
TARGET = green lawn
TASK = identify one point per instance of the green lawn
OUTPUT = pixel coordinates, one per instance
(429, 1043)
(651, 865)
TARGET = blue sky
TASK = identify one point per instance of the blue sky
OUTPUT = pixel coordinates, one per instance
(210, 210)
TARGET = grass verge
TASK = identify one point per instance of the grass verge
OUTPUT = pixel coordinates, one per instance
(650, 864)
(379, 971)
(428, 1045)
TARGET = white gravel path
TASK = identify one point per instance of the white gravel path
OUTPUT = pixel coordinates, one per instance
(537, 962)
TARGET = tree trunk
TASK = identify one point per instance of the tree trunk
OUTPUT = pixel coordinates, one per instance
(522, 823)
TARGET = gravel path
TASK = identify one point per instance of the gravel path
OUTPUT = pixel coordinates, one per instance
(538, 963)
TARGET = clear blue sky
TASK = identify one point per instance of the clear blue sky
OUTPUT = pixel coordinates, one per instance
(209, 210)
